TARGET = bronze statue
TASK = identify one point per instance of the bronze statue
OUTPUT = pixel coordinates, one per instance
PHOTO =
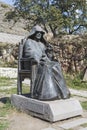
(49, 83)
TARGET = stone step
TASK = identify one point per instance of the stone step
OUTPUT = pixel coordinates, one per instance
(72, 124)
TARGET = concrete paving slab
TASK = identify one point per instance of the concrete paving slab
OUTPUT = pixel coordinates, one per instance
(74, 123)
(84, 128)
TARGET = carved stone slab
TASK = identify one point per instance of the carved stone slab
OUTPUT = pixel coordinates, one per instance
(48, 110)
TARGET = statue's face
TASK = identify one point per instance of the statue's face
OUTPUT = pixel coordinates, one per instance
(38, 35)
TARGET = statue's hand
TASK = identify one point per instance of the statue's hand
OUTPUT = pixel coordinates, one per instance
(49, 48)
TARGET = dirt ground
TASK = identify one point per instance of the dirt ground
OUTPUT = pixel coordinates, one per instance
(22, 121)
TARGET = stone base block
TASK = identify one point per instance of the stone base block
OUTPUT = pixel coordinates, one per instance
(48, 110)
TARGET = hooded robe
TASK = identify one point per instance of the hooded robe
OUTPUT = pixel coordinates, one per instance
(49, 83)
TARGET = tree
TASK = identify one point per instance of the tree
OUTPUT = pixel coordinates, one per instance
(41, 12)
(74, 14)
(38, 12)
(57, 15)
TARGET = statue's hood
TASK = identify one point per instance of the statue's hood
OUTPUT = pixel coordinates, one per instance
(35, 29)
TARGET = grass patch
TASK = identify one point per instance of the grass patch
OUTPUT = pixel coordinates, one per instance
(25, 90)
(3, 125)
(6, 81)
(11, 91)
(75, 82)
(84, 125)
(6, 107)
(4, 111)
(84, 105)
(9, 82)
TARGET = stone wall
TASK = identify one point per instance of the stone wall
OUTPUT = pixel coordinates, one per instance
(69, 50)
(8, 72)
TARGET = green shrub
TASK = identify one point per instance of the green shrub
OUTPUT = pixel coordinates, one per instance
(4, 6)
(3, 125)
(4, 111)
(84, 105)
(75, 82)
(5, 81)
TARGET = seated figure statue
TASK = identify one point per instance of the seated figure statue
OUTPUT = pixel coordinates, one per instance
(49, 83)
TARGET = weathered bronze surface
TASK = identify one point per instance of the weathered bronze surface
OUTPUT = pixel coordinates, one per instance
(48, 80)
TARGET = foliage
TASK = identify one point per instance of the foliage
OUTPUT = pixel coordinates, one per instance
(57, 15)
(5, 81)
(4, 110)
(75, 82)
(84, 125)
(84, 105)
(3, 125)
(6, 107)
(4, 6)
(74, 14)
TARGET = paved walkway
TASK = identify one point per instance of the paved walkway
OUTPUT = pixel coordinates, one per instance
(72, 124)
(78, 92)
(10, 38)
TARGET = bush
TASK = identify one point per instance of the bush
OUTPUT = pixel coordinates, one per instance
(75, 82)
(4, 6)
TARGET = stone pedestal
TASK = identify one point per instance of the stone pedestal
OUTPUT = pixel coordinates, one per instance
(48, 110)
